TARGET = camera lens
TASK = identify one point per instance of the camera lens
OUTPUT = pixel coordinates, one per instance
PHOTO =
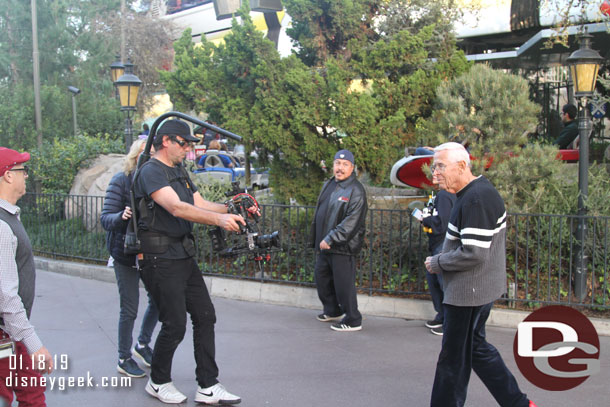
(270, 240)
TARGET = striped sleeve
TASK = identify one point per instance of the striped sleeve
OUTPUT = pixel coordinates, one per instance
(472, 228)
(481, 237)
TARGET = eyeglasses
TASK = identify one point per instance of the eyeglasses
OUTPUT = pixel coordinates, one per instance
(440, 167)
(25, 169)
(181, 143)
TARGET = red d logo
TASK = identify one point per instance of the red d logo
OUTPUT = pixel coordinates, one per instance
(556, 348)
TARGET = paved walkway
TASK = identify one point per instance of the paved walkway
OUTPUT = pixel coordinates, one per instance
(270, 355)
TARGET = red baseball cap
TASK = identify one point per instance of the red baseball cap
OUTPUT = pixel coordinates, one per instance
(9, 158)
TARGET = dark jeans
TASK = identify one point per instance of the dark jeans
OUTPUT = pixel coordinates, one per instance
(336, 283)
(177, 287)
(465, 349)
(128, 281)
(435, 284)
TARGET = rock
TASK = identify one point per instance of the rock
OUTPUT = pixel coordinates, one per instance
(88, 190)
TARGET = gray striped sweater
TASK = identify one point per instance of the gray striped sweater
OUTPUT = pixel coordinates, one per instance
(473, 260)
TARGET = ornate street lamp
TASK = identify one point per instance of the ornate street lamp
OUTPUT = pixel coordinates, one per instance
(128, 86)
(584, 64)
(117, 69)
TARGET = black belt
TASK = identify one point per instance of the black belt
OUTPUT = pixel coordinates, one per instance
(156, 243)
(158, 238)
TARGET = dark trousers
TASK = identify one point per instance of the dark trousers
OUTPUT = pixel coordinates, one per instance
(177, 287)
(128, 282)
(465, 349)
(435, 285)
(336, 283)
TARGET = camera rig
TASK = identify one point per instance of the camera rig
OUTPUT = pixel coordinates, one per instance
(258, 245)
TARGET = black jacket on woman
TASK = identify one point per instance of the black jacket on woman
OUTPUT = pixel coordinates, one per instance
(117, 197)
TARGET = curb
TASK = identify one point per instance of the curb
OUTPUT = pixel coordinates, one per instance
(302, 297)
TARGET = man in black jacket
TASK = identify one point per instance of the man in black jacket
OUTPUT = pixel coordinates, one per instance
(338, 233)
(436, 226)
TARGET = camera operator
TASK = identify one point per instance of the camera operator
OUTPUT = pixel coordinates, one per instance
(168, 204)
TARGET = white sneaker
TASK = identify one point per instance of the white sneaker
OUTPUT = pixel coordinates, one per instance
(345, 327)
(167, 393)
(217, 394)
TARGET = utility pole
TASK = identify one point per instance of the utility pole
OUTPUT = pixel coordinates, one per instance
(36, 73)
(123, 56)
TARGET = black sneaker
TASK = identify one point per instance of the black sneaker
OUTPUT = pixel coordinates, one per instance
(345, 327)
(143, 353)
(328, 318)
(434, 324)
(437, 331)
(130, 368)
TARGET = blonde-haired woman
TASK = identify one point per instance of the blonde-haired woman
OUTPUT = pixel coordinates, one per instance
(115, 218)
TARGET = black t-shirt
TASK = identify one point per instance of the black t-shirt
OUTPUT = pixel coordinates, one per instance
(153, 176)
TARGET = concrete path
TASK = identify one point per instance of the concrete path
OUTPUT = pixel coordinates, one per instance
(270, 355)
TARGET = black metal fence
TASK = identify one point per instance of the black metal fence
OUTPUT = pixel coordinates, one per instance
(546, 254)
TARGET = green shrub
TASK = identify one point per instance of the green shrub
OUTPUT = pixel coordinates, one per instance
(213, 191)
(56, 164)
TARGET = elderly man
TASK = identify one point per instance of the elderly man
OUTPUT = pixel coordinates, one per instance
(17, 287)
(338, 234)
(169, 203)
(473, 266)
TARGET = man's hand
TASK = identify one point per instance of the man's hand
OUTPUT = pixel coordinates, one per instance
(324, 245)
(428, 264)
(229, 221)
(43, 360)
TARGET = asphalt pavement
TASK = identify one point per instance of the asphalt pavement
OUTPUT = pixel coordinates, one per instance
(270, 355)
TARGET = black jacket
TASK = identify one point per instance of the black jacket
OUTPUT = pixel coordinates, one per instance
(344, 221)
(568, 135)
(117, 197)
(443, 203)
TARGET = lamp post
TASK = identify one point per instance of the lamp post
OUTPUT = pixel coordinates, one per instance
(74, 91)
(128, 86)
(584, 64)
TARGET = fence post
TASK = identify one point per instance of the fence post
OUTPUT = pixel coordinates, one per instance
(580, 263)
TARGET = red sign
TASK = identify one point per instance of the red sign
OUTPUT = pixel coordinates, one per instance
(605, 8)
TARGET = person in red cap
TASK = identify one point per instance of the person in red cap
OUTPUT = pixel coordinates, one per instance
(21, 378)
